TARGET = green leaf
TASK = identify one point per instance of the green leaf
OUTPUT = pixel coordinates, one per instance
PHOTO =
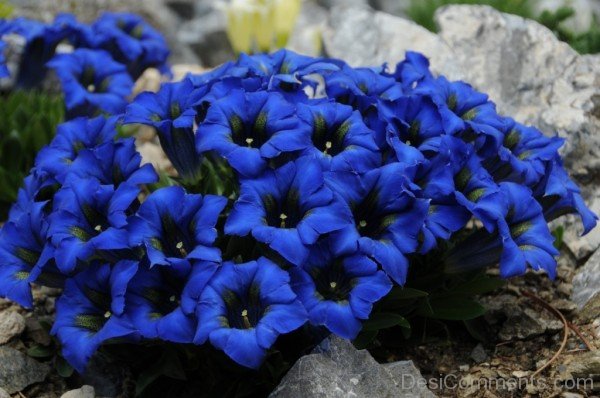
(406, 293)
(365, 338)
(63, 368)
(479, 285)
(169, 365)
(452, 309)
(40, 351)
(385, 320)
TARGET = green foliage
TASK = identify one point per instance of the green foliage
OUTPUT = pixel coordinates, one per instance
(588, 42)
(27, 123)
(422, 11)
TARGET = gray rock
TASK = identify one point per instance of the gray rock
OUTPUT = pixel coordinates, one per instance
(478, 354)
(364, 37)
(523, 323)
(3, 393)
(334, 3)
(586, 283)
(11, 324)
(206, 36)
(538, 80)
(83, 392)
(337, 369)
(17, 370)
(586, 365)
(306, 37)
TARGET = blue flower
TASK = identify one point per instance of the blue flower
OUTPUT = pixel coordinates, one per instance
(387, 217)
(288, 209)
(114, 163)
(71, 137)
(84, 315)
(92, 82)
(41, 41)
(413, 70)
(526, 239)
(521, 237)
(523, 156)
(339, 137)
(89, 217)
(338, 291)
(559, 195)
(245, 307)
(3, 68)
(466, 113)
(161, 301)
(26, 255)
(414, 127)
(131, 41)
(249, 129)
(172, 112)
(177, 228)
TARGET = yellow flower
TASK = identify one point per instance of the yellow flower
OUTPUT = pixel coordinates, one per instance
(286, 13)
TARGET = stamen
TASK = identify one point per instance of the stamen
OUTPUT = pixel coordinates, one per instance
(333, 285)
(98, 228)
(249, 141)
(107, 314)
(172, 299)
(408, 142)
(328, 146)
(91, 88)
(282, 217)
(245, 319)
(362, 223)
(181, 249)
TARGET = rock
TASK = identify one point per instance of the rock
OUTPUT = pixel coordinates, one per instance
(306, 37)
(35, 331)
(17, 370)
(586, 283)
(153, 153)
(591, 310)
(3, 393)
(523, 323)
(538, 80)
(586, 365)
(478, 354)
(207, 37)
(364, 37)
(83, 392)
(337, 369)
(11, 324)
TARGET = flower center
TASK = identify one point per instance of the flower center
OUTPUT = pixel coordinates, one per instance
(250, 133)
(329, 139)
(332, 283)
(91, 88)
(285, 213)
(371, 222)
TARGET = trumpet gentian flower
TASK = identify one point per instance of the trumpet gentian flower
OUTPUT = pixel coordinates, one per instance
(288, 209)
(171, 112)
(339, 137)
(92, 82)
(338, 291)
(114, 163)
(3, 68)
(131, 41)
(161, 301)
(88, 217)
(71, 137)
(249, 129)
(245, 307)
(84, 315)
(24, 254)
(387, 217)
(176, 228)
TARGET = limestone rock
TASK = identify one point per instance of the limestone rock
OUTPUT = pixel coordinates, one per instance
(364, 37)
(337, 369)
(83, 392)
(17, 370)
(11, 324)
(586, 284)
(3, 393)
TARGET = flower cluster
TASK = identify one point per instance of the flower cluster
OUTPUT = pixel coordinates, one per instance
(96, 63)
(340, 177)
